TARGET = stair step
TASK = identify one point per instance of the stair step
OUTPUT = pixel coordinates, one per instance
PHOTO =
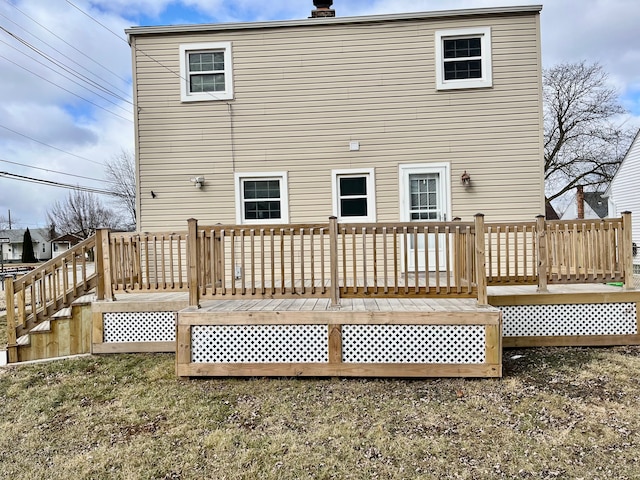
(43, 327)
(85, 299)
(64, 313)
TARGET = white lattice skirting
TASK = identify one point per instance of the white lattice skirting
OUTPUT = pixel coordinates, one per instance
(437, 344)
(413, 344)
(123, 327)
(565, 320)
(259, 344)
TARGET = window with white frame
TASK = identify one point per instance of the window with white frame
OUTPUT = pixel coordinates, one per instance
(262, 198)
(354, 196)
(206, 72)
(463, 58)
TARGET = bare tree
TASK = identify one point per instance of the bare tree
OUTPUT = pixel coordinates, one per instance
(82, 214)
(6, 222)
(121, 174)
(584, 141)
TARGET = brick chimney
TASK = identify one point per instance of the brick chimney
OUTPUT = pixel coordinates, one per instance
(323, 9)
(580, 201)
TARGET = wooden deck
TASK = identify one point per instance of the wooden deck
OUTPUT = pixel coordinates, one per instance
(359, 337)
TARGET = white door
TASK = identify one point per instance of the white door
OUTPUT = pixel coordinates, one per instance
(425, 197)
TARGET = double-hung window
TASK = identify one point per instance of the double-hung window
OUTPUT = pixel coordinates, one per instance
(262, 198)
(206, 72)
(354, 195)
(463, 58)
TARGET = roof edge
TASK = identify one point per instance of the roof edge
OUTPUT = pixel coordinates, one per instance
(217, 27)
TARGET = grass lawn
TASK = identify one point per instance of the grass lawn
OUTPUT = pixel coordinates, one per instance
(557, 413)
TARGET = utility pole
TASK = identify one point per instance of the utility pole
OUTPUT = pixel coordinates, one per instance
(9, 219)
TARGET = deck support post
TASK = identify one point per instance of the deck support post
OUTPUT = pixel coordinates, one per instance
(12, 346)
(193, 258)
(103, 265)
(333, 256)
(481, 267)
(626, 255)
(541, 246)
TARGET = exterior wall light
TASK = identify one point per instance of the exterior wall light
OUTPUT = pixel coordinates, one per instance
(465, 179)
(198, 181)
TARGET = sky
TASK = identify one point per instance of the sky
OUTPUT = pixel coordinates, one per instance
(65, 75)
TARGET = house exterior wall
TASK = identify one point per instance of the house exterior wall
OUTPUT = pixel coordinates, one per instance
(623, 192)
(302, 93)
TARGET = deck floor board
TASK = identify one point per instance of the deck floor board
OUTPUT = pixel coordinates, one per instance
(240, 303)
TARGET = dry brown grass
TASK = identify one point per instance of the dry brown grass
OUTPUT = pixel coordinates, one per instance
(557, 413)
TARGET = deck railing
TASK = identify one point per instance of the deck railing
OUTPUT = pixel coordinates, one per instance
(512, 253)
(146, 262)
(586, 251)
(383, 259)
(54, 285)
(560, 252)
(333, 260)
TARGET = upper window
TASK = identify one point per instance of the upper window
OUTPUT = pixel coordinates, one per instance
(354, 195)
(262, 198)
(463, 58)
(205, 71)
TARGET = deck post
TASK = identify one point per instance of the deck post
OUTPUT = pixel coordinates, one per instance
(193, 258)
(12, 347)
(218, 252)
(626, 254)
(333, 256)
(541, 246)
(458, 266)
(103, 265)
(481, 267)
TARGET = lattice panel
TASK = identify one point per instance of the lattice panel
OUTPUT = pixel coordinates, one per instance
(563, 320)
(413, 344)
(259, 344)
(139, 327)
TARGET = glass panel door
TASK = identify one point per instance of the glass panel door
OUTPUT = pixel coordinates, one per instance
(424, 199)
(425, 202)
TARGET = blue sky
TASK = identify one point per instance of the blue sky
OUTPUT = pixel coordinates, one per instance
(45, 126)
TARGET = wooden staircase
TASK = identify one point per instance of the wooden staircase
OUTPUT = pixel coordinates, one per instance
(49, 309)
(67, 332)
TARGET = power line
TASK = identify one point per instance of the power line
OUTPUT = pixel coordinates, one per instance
(97, 21)
(65, 67)
(70, 79)
(68, 44)
(55, 171)
(66, 90)
(51, 183)
(213, 96)
(51, 146)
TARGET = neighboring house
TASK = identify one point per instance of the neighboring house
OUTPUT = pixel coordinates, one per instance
(624, 195)
(12, 251)
(63, 243)
(550, 212)
(588, 205)
(402, 117)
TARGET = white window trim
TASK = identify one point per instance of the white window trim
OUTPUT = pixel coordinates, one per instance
(187, 96)
(240, 177)
(485, 44)
(404, 170)
(371, 193)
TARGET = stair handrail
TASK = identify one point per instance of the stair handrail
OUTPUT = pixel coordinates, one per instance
(52, 286)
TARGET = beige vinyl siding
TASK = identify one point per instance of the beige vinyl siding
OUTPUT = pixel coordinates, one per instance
(302, 93)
